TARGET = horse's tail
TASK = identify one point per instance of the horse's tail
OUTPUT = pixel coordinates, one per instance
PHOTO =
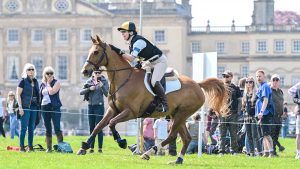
(217, 94)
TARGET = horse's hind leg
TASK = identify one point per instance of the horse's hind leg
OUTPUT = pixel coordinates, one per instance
(107, 117)
(172, 135)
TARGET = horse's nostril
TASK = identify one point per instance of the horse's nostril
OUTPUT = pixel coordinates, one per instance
(85, 72)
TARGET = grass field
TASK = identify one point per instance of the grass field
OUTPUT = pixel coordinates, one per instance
(114, 157)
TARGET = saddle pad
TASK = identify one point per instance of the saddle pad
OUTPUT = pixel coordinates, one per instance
(171, 86)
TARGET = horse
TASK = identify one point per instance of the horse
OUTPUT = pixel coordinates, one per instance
(128, 98)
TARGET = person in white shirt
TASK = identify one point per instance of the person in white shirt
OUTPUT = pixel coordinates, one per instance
(160, 133)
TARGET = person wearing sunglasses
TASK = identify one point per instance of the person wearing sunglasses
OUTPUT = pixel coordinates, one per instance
(229, 122)
(151, 56)
(264, 110)
(50, 106)
(94, 89)
(28, 101)
(248, 107)
(278, 99)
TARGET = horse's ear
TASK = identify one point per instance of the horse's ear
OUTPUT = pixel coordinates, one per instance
(98, 39)
(94, 40)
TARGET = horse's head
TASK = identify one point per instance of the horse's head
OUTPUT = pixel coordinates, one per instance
(97, 57)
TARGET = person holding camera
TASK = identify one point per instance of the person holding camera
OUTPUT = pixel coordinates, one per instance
(93, 91)
(49, 92)
(28, 100)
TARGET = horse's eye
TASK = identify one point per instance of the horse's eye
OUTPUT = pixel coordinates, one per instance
(96, 52)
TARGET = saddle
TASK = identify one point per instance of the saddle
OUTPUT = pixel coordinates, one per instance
(170, 81)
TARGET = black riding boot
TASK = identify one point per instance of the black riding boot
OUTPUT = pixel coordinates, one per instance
(160, 91)
(49, 144)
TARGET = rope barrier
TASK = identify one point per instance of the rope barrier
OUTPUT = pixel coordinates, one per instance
(219, 122)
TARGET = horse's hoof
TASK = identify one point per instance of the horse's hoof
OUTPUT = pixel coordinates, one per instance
(122, 143)
(81, 152)
(145, 156)
(179, 160)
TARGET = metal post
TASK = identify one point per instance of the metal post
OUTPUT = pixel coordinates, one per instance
(201, 130)
(139, 141)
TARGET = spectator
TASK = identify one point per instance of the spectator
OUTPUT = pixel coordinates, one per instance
(160, 133)
(263, 111)
(229, 122)
(277, 96)
(12, 109)
(295, 93)
(49, 92)
(28, 101)
(2, 115)
(285, 121)
(248, 107)
(212, 125)
(94, 89)
(148, 133)
(193, 128)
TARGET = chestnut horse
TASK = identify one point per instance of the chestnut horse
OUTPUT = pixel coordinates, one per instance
(128, 98)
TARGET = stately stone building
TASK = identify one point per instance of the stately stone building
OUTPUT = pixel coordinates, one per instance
(57, 33)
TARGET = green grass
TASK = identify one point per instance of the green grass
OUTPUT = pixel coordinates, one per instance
(114, 157)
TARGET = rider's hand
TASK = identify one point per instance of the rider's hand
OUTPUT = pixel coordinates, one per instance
(138, 65)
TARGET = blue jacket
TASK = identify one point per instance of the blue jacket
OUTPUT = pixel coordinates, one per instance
(27, 93)
(55, 100)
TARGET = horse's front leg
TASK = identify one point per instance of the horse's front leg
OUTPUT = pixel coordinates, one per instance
(125, 115)
(110, 113)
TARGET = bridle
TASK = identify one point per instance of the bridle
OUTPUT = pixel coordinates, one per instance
(104, 54)
(97, 67)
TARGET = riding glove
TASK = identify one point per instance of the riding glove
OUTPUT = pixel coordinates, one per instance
(138, 65)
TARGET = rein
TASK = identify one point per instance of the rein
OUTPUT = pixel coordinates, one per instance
(111, 93)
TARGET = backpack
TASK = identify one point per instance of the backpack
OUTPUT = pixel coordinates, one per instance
(63, 147)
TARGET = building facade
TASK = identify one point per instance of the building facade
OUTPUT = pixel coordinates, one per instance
(57, 33)
(245, 49)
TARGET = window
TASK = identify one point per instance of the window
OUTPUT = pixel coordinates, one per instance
(160, 36)
(295, 79)
(282, 81)
(82, 61)
(62, 67)
(296, 45)
(12, 5)
(61, 5)
(245, 47)
(196, 47)
(62, 35)
(86, 35)
(12, 68)
(220, 70)
(244, 71)
(220, 47)
(279, 46)
(37, 36)
(13, 36)
(261, 46)
(37, 61)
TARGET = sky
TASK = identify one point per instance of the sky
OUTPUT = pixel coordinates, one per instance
(222, 12)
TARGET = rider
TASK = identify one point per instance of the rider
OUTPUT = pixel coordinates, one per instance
(141, 49)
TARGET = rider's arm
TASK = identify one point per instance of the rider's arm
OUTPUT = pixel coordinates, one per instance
(136, 49)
